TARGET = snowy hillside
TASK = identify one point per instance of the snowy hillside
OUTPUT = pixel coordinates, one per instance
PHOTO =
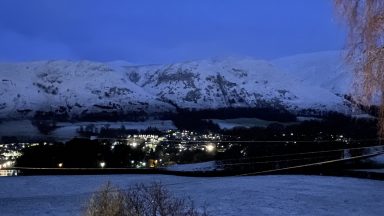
(324, 69)
(317, 80)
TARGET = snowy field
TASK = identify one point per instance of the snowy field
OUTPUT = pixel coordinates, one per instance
(204, 166)
(245, 122)
(256, 195)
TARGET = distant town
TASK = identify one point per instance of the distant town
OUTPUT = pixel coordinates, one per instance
(112, 148)
(166, 148)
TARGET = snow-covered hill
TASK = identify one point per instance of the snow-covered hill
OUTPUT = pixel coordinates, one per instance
(317, 80)
(324, 69)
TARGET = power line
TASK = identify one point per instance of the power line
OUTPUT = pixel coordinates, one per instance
(313, 164)
(302, 153)
(215, 178)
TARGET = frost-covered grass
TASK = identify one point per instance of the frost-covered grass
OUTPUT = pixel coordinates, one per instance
(255, 195)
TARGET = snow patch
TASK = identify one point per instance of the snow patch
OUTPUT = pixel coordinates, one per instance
(204, 166)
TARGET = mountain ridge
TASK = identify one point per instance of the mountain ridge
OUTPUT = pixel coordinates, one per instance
(309, 81)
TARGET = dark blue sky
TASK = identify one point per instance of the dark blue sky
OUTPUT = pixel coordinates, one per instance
(164, 31)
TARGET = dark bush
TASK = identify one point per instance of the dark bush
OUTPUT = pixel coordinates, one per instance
(140, 200)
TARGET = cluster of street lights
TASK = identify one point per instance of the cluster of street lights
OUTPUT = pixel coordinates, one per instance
(7, 164)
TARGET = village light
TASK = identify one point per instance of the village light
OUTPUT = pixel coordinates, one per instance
(60, 165)
(210, 147)
(102, 164)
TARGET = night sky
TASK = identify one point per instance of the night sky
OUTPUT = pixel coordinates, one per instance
(165, 31)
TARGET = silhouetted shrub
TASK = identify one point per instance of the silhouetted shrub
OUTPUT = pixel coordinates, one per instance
(139, 200)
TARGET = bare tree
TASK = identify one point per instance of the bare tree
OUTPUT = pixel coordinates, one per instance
(107, 201)
(141, 200)
(365, 49)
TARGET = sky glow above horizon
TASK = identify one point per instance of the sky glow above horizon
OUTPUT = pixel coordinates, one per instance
(153, 31)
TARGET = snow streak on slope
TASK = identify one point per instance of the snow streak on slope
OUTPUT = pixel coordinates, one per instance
(315, 81)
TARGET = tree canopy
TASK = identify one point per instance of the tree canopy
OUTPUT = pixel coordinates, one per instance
(365, 49)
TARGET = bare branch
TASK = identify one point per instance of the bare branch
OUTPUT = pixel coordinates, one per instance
(365, 22)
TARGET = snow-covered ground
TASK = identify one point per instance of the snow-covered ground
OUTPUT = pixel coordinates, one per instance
(204, 166)
(254, 195)
(378, 160)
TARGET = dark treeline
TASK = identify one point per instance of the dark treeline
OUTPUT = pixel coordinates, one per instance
(328, 123)
(195, 124)
(335, 131)
(135, 116)
(270, 113)
(91, 116)
(198, 120)
(337, 123)
(265, 113)
(331, 123)
(183, 118)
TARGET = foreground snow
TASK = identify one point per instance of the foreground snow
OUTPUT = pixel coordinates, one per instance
(257, 195)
